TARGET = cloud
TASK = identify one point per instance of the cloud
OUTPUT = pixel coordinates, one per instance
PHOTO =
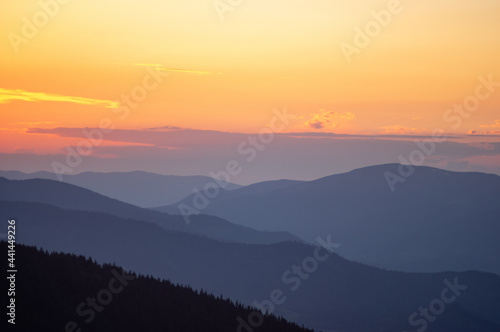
(165, 128)
(11, 129)
(400, 130)
(33, 123)
(486, 133)
(330, 119)
(24, 150)
(189, 151)
(177, 70)
(363, 136)
(316, 124)
(496, 125)
(8, 95)
(483, 146)
(494, 132)
(185, 138)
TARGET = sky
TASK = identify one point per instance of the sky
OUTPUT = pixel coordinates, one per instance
(181, 87)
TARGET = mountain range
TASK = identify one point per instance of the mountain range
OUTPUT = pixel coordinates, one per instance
(138, 188)
(309, 285)
(436, 220)
(72, 197)
(306, 283)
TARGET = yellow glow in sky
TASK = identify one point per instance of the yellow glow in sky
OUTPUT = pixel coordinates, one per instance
(228, 73)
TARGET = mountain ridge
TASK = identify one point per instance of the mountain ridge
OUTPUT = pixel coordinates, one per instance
(359, 209)
(150, 189)
(72, 197)
(336, 294)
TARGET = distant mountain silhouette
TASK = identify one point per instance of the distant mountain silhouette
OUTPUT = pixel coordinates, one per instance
(72, 197)
(435, 221)
(52, 286)
(335, 295)
(138, 188)
(260, 188)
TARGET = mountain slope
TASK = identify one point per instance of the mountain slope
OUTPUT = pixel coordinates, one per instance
(331, 294)
(138, 188)
(243, 192)
(424, 226)
(71, 197)
(52, 286)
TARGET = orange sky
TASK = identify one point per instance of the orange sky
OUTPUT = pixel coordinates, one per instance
(230, 74)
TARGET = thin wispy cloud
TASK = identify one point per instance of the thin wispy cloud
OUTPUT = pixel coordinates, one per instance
(165, 128)
(483, 146)
(9, 95)
(38, 123)
(368, 136)
(11, 129)
(494, 130)
(176, 70)
(401, 130)
(329, 119)
(496, 125)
